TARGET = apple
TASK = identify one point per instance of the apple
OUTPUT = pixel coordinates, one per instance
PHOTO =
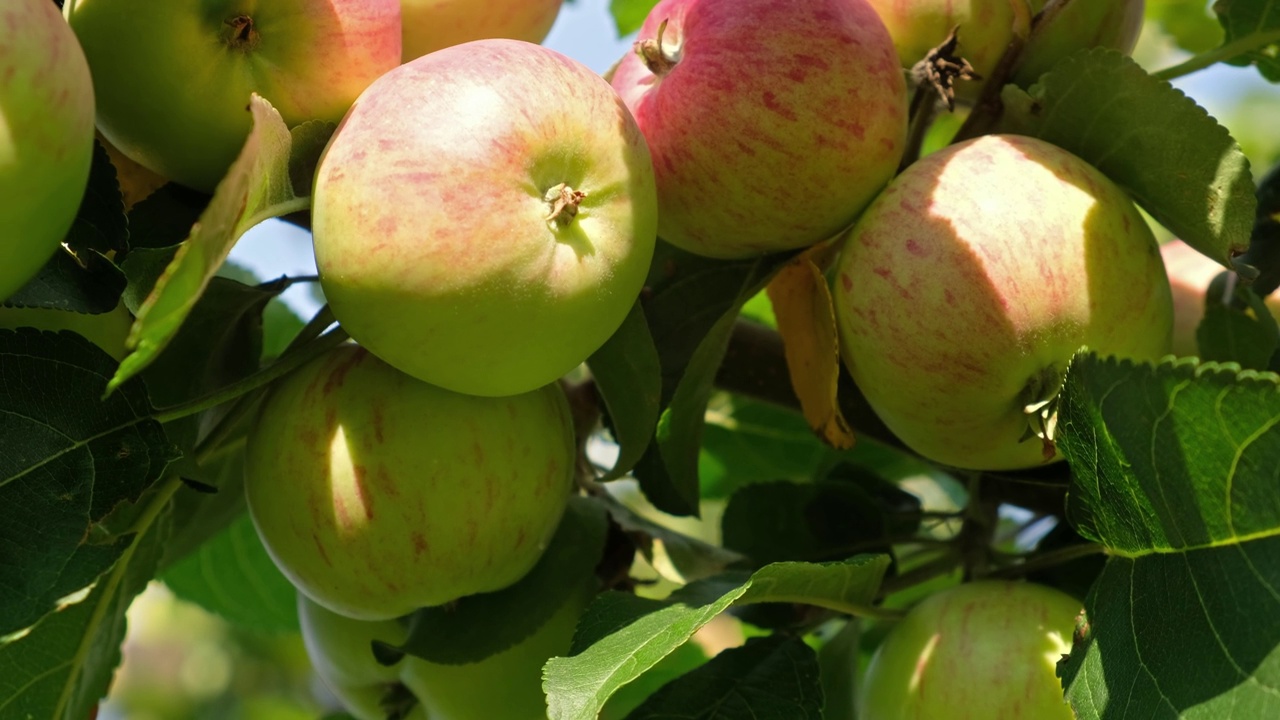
(108, 330)
(484, 217)
(430, 25)
(173, 79)
(1190, 273)
(377, 494)
(772, 124)
(505, 686)
(46, 137)
(986, 27)
(967, 286)
(1066, 26)
(978, 651)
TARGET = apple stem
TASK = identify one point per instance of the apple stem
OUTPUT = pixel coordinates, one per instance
(1040, 403)
(240, 33)
(658, 59)
(564, 202)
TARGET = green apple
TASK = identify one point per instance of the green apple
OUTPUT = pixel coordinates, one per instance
(986, 27)
(430, 25)
(484, 217)
(108, 330)
(966, 287)
(1190, 273)
(1066, 26)
(46, 136)
(772, 124)
(173, 79)
(377, 494)
(505, 686)
(979, 651)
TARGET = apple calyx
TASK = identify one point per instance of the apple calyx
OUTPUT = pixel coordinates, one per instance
(1040, 401)
(564, 202)
(398, 701)
(240, 34)
(659, 59)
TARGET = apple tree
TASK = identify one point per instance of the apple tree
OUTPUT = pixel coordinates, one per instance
(923, 346)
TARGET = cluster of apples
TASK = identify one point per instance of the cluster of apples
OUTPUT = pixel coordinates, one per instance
(485, 216)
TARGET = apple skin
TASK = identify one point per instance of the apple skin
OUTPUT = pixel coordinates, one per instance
(505, 686)
(1190, 273)
(431, 217)
(108, 330)
(978, 651)
(431, 25)
(173, 79)
(964, 290)
(1067, 26)
(377, 494)
(46, 137)
(986, 29)
(772, 124)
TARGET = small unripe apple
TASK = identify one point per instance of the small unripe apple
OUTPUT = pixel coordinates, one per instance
(771, 123)
(46, 136)
(978, 651)
(505, 686)
(986, 27)
(1190, 273)
(173, 79)
(108, 330)
(376, 493)
(1067, 26)
(430, 25)
(965, 289)
(484, 217)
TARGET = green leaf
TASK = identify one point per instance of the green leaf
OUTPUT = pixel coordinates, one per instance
(685, 658)
(100, 223)
(64, 665)
(694, 304)
(1247, 336)
(165, 217)
(1175, 473)
(1166, 151)
(1257, 24)
(629, 15)
(673, 553)
(838, 660)
(232, 576)
(1264, 243)
(621, 636)
(257, 187)
(771, 678)
(1187, 22)
(629, 379)
(478, 626)
(826, 520)
(87, 283)
(67, 461)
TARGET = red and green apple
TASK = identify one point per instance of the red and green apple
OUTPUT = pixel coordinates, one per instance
(772, 124)
(493, 248)
(376, 493)
(46, 137)
(430, 25)
(965, 289)
(173, 79)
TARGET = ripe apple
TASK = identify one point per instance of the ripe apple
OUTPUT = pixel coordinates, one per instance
(978, 651)
(484, 217)
(46, 136)
(1066, 26)
(771, 123)
(966, 287)
(173, 79)
(107, 330)
(1190, 273)
(505, 686)
(377, 494)
(986, 29)
(430, 25)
